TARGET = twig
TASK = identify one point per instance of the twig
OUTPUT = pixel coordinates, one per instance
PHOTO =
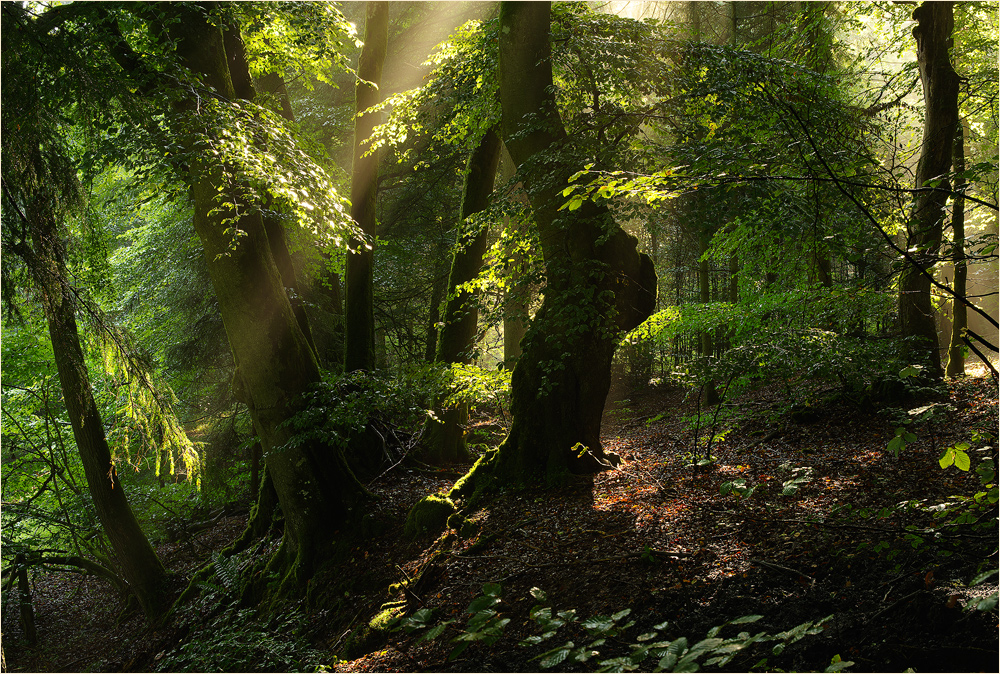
(770, 436)
(779, 567)
(895, 604)
(406, 586)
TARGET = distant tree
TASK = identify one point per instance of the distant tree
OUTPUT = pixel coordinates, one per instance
(276, 364)
(457, 340)
(933, 33)
(960, 313)
(359, 336)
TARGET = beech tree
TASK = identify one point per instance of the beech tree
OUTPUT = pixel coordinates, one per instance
(940, 84)
(276, 364)
(40, 190)
(359, 335)
(457, 339)
(960, 313)
(597, 284)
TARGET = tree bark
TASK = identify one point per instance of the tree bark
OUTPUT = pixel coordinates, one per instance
(39, 185)
(598, 285)
(275, 362)
(359, 335)
(935, 22)
(960, 314)
(138, 562)
(705, 341)
(518, 298)
(445, 437)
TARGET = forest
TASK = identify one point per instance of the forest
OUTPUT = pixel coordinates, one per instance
(499, 336)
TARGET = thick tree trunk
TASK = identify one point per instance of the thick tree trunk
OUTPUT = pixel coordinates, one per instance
(135, 557)
(517, 299)
(274, 84)
(960, 313)
(446, 436)
(940, 85)
(359, 335)
(438, 291)
(276, 364)
(598, 285)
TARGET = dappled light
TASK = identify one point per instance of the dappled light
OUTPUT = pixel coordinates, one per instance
(499, 336)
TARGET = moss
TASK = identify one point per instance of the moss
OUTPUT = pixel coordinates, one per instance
(384, 618)
(372, 635)
(429, 515)
(481, 544)
(463, 526)
(472, 482)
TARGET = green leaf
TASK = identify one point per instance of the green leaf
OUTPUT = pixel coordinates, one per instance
(947, 459)
(480, 603)
(962, 460)
(554, 657)
(492, 589)
(983, 576)
(838, 665)
(988, 603)
(435, 632)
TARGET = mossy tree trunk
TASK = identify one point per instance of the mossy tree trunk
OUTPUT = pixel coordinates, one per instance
(40, 187)
(517, 299)
(136, 559)
(446, 436)
(275, 362)
(359, 328)
(598, 285)
(935, 22)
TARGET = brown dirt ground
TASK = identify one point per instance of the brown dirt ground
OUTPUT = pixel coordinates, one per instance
(708, 558)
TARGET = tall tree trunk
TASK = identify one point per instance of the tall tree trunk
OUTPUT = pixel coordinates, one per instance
(275, 362)
(940, 86)
(39, 184)
(517, 299)
(146, 576)
(438, 291)
(274, 84)
(445, 436)
(706, 346)
(960, 314)
(359, 335)
(598, 285)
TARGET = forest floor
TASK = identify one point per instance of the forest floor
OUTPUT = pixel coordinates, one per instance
(654, 536)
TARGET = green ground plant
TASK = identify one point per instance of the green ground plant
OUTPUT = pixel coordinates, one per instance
(608, 632)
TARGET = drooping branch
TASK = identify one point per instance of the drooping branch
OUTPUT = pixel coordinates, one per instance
(874, 222)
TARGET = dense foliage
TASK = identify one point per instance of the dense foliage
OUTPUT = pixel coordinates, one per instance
(763, 155)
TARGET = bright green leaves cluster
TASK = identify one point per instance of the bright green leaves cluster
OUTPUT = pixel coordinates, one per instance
(784, 333)
(458, 102)
(470, 384)
(957, 455)
(307, 41)
(232, 140)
